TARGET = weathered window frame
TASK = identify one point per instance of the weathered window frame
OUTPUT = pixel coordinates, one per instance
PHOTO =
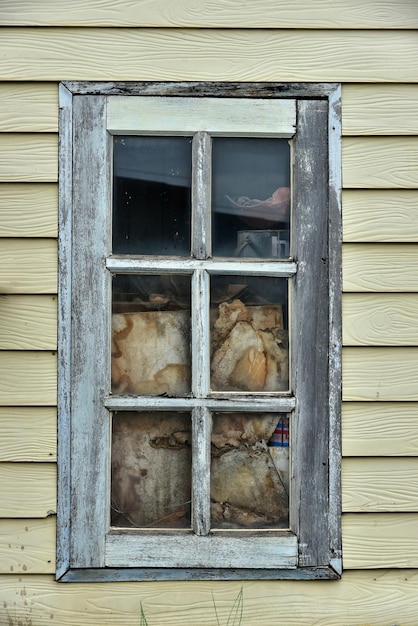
(85, 549)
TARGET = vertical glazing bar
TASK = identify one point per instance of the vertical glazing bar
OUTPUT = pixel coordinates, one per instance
(201, 196)
(200, 334)
(201, 428)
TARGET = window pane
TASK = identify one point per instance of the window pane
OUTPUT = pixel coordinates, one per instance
(151, 335)
(249, 471)
(151, 470)
(251, 197)
(249, 336)
(152, 195)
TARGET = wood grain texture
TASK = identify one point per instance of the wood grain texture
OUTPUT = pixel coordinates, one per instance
(376, 215)
(28, 378)
(379, 109)
(28, 209)
(382, 374)
(380, 429)
(28, 489)
(380, 540)
(380, 267)
(28, 266)
(28, 434)
(380, 319)
(27, 546)
(380, 162)
(55, 54)
(88, 372)
(217, 13)
(31, 107)
(361, 597)
(380, 484)
(28, 157)
(28, 322)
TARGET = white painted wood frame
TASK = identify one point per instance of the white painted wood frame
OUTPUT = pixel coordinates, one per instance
(88, 548)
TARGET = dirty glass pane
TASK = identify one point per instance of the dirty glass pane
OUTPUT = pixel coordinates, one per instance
(151, 335)
(249, 334)
(250, 470)
(151, 470)
(250, 197)
(152, 195)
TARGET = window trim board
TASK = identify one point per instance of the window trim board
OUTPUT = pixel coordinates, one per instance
(71, 569)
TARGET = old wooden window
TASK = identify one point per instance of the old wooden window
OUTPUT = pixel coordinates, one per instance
(199, 332)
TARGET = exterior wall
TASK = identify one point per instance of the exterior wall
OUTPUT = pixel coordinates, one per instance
(369, 47)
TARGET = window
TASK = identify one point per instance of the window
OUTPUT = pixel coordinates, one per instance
(199, 369)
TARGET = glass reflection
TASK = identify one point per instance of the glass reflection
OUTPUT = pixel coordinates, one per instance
(151, 335)
(152, 195)
(251, 197)
(151, 470)
(249, 334)
(249, 473)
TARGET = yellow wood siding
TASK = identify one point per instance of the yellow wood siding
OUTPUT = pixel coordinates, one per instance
(28, 157)
(391, 484)
(28, 322)
(28, 266)
(28, 378)
(27, 546)
(368, 109)
(371, 541)
(380, 162)
(380, 319)
(380, 540)
(28, 107)
(218, 13)
(380, 211)
(380, 267)
(380, 429)
(28, 209)
(28, 433)
(28, 490)
(379, 110)
(380, 215)
(242, 55)
(382, 374)
(381, 598)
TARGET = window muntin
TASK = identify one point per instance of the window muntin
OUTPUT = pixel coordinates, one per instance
(276, 551)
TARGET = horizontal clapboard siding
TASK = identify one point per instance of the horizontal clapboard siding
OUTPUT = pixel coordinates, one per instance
(218, 13)
(380, 319)
(28, 107)
(28, 209)
(28, 157)
(28, 433)
(367, 109)
(28, 322)
(380, 215)
(379, 110)
(28, 378)
(53, 54)
(28, 266)
(27, 546)
(380, 540)
(380, 429)
(381, 374)
(380, 267)
(380, 484)
(28, 490)
(380, 162)
(379, 598)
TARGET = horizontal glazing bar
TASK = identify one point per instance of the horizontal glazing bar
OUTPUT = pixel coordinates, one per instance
(235, 402)
(158, 265)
